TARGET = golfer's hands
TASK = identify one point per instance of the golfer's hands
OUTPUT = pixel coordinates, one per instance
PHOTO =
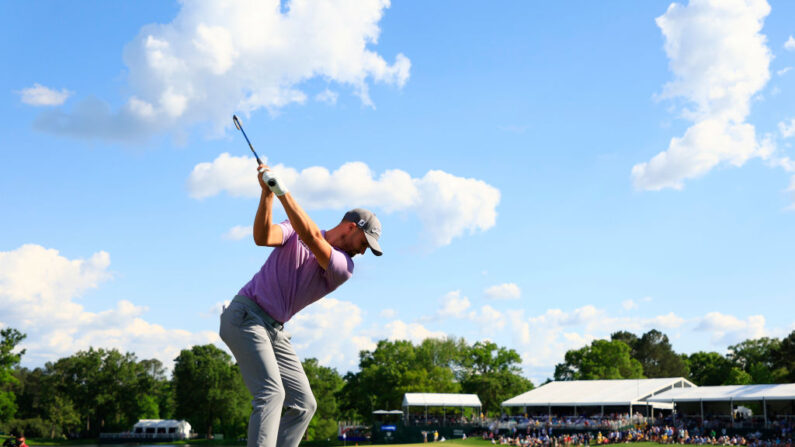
(262, 168)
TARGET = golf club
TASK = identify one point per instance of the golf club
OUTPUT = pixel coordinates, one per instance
(240, 128)
(267, 178)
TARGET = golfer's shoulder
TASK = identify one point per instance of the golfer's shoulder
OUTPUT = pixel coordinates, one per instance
(340, 265)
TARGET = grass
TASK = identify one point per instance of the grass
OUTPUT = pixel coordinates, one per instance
(479, 442)
(229, 442)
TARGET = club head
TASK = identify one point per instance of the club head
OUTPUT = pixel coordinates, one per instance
(237, 122)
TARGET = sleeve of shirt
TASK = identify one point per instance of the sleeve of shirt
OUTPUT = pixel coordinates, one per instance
(287, 230)
(340, 268)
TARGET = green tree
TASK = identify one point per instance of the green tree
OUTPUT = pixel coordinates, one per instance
(60, 414)
(440, 363)
(656, 355)
(383, 378)
(394, 368)
(627, 337)
(38, 398)
(326, 383)
(106, 388)
(434, 366)
(601, 360)
(708, 368)
(156, 399)
(757, 357)
(30, 391)
(493, 373)
(9, 360)
(738, 377)
(654, 352)
(784, 359)
(209, 391)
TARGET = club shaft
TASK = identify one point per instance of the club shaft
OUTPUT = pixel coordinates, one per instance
(240, 126)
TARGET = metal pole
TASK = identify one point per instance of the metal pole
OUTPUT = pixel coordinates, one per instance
(764, 407)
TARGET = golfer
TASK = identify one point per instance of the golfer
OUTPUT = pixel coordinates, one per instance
(305, 265)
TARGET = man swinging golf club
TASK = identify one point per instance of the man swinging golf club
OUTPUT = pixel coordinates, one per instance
(305, 265)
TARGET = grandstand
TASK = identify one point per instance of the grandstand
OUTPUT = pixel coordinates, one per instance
(448, 415)
(737, 406)
(442, 401)
(637, 409)
(598, 397)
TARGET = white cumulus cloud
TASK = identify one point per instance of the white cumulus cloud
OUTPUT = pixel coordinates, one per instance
(728, 329)
(39, 95)
(506, 291)
(488, 319)
(790, 44)
(38, 289)
(414, 332)
(217, 58)
(327, 96)
(787, 129)
(634, 304)
(448, 206)
(329, 330)
(629, 304)
(543, 339)
(238, 232)
(720, 60)
(453, 305)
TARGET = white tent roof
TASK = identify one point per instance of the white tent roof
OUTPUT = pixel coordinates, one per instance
(595, 392)
(161, 423)
(440, 400)
(784, 391)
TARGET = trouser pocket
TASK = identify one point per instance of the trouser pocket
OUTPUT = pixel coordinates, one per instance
(233, 318)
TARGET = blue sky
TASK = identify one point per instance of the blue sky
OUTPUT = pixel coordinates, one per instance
(546, 174)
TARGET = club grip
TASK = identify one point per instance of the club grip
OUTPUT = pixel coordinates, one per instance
(273, 183)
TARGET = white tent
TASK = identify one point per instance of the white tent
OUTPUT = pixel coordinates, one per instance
(163, 427)
(443, 400)
(598, 393)
(784, 391)
(773, 396)
(440, 400)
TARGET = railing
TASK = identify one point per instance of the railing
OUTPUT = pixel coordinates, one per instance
(582, 423)
(144, 436)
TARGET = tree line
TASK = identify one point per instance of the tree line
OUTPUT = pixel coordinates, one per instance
(628, 356)
(104, 390)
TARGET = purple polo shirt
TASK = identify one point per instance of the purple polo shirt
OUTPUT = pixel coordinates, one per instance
(291, 278)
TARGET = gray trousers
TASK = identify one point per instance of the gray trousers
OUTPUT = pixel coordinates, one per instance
(273, 375)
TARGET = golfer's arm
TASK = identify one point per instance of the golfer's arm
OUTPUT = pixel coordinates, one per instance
(307, 230)
(266, 233)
